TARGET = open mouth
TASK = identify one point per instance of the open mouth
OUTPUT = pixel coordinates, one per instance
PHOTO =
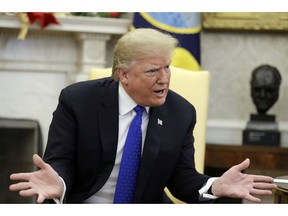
(160, 92)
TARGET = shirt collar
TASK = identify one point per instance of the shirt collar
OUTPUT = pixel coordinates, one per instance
(126, 103)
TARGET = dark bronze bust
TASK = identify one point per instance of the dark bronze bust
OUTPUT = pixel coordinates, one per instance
(262, 128)
(265, 84)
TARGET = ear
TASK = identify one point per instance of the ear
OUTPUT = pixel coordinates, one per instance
(122, 74)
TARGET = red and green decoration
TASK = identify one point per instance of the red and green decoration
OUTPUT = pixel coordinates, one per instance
(98, 14)
(44, 19)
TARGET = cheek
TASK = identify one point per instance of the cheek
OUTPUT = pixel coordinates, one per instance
(137, 85)
(143, 88)
(144, 83)
(144, 91)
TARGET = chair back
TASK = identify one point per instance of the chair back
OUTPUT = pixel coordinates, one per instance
(194, 86)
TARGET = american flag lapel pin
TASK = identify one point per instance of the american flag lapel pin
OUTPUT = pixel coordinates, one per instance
(159, 122)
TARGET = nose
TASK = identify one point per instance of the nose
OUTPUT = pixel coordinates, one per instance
(163, 76)
(262, 92)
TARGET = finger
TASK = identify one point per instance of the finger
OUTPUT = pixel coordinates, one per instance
(31, 192)
(20, 176)
(261, 185)
(244, 165)
(251, 198)
(261, 178)
(27, 193)
(38, 161)
(20, 186)
(40, 198)
(261, 192)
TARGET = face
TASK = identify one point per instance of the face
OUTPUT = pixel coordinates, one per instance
(264, 91)
(147, 80)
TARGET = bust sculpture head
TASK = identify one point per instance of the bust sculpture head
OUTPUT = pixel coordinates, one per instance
(265, 83)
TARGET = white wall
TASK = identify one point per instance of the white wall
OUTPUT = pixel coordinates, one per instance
(231, 57)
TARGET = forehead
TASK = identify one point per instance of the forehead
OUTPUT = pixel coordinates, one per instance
(264, 78)
(153, 61)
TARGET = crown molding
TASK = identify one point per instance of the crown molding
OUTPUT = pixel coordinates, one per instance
(74, 24)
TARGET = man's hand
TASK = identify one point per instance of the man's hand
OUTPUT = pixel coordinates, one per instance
(44, 182)
(235, 184)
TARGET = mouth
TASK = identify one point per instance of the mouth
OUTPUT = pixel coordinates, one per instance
(160, 92)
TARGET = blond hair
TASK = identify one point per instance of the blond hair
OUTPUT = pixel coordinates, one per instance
(141, 43)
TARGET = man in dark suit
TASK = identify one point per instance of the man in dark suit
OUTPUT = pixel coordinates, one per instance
(90, 124)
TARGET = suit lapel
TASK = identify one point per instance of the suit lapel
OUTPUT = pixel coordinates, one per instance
(108, 130)
(152, 145)
(108, 126)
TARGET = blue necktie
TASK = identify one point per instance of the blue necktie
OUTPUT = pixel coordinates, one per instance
(130, 163)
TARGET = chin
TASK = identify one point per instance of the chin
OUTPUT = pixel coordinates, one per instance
(158, 103)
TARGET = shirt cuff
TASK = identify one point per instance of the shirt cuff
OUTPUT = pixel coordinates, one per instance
(60, 201)
(203, 192)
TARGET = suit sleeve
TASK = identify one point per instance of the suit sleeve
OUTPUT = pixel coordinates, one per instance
(61, 146)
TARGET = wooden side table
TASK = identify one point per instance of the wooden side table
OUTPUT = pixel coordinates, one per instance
(262, 157)
(281, 192)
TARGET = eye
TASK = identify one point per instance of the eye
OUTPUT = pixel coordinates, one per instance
(151, 72)
(167, 68)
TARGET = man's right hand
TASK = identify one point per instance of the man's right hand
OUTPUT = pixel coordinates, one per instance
(44, 182)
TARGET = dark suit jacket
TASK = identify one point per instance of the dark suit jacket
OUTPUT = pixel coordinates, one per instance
(83, 136)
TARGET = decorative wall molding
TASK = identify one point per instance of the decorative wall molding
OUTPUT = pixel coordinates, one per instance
(74, 24)
(34, 70)
(252, 21)
(35, 33)
(91, 33)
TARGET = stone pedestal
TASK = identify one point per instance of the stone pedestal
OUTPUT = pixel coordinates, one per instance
(261, 130)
